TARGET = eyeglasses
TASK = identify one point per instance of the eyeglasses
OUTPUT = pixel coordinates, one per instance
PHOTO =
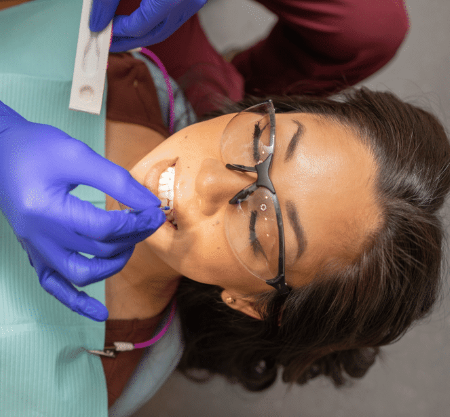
(253, 221)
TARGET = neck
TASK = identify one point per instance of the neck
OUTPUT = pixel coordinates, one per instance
(143, 288)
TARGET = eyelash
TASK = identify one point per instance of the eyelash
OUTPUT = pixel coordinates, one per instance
(256, 136)
(256, 244)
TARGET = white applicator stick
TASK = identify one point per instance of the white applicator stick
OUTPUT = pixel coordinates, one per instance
(89, 73)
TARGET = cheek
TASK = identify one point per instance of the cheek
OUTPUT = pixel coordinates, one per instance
(207, 255)
(211, 260)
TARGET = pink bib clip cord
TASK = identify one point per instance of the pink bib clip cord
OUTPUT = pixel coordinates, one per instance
(111, 351)
(151, 55)
(162, 332)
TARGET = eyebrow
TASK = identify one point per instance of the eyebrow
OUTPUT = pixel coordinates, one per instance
(298, 135)
(298, 229)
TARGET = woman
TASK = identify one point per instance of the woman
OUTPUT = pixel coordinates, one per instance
(359, 180)
(140, 294)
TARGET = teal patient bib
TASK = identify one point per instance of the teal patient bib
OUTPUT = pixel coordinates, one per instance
(45, 369)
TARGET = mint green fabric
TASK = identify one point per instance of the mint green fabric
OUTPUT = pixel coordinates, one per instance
(45, 367)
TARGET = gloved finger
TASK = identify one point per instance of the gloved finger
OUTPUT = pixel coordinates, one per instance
(175, 19)
(110, 248)
(75, 267)
(156, 35)
(56, 285)
(66, 293)
(123, 43)
(102, 13)
(112, 179)
(111, 226)
(145, 18)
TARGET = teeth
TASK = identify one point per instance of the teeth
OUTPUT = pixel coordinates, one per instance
(165, 192)
(164, 187)
(166, 184)
(166, 178)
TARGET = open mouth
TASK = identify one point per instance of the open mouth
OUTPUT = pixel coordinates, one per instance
(166, 194)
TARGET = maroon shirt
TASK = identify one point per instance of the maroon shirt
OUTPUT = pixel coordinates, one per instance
(316, 47)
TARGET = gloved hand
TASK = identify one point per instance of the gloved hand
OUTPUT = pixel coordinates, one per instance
(39, 166)
(153, 22)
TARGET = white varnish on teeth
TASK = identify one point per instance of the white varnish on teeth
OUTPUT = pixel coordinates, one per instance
(166, 182)
(165, 192)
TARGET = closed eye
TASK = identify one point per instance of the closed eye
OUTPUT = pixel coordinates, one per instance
(256, 136)
(256, 244)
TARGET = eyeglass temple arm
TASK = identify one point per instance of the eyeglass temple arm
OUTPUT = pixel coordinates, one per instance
(279, 284)
(235, 167)
(242, 195)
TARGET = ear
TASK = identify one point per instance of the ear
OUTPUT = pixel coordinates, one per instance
(244, 305)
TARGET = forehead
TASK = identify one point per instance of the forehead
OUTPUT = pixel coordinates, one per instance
(330, 180)
(320, 149)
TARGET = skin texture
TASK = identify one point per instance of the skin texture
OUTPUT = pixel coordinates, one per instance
(329, 180)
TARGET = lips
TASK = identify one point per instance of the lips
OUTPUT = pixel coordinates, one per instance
(151, 181)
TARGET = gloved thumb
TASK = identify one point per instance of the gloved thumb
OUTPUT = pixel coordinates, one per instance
(102, 13)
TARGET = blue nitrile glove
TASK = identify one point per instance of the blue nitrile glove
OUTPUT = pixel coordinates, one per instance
(153, 22)
(39, 166)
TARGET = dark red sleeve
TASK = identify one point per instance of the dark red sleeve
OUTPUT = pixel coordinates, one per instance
(316, 47)
(194, 64)
(322, 46)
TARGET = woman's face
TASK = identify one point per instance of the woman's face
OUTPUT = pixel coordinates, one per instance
(327, 185)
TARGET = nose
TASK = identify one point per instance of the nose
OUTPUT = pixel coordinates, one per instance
(216, 185)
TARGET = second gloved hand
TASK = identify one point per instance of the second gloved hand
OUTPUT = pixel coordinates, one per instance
(153, 22)
(39, 166)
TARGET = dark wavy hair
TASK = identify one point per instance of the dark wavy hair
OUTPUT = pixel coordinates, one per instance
(334, 325)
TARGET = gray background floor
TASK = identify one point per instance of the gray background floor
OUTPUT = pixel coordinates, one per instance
(414, 379)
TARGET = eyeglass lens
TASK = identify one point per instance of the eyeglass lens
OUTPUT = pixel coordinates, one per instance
(251, 225)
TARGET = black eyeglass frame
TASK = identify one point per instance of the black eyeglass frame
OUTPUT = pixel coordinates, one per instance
(263, 180)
